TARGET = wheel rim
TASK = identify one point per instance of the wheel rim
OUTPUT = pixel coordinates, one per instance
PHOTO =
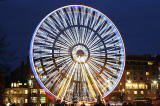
(77, 53)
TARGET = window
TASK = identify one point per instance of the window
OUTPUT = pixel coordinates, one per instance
(142, 92)
(15, 85)
(141, 78)
(135, 92)
(34, 91)
(26, 101)
(128, 92)
(128, 73)
(129, 98)
(11, 84)
(147, 73)
(150, 63)
(30, 83)
(32, 76)
(18, 99)
(14, 92)
(20, 91)
(7, 92)
(25, 91)
(141, 73)
(134, 73)
(141, 86)
(34, 99)
(11, 91)
(20, 83)
(42, 91)
(43, 100)
(135, 86)
(128, 86)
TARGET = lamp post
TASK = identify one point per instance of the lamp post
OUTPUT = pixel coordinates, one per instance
(122, 95)
(154, 87)
(154, 84)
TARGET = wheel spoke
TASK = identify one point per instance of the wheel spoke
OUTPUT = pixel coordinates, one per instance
(77, 54)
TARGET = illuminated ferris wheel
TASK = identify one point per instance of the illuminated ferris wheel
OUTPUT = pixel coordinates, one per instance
(77, 53)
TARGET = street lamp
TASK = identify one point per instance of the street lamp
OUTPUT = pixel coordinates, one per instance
(122, 95)
(123, 90)
(129, 81)
(154, 82)
(8, 104)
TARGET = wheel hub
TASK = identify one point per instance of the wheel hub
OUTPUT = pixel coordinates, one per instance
(80, 53)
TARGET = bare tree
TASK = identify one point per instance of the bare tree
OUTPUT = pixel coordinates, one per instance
(5, 63)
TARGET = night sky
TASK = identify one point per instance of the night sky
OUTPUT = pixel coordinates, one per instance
(137, 20)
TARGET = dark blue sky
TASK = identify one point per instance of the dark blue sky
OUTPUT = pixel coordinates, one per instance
(137, 20)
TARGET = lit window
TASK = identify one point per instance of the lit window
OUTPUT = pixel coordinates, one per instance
(18, 100)
(135, 86)
(20, 83)
(141, 86)
(7, 92)
(128, 92)
(154, 82)
(146, 86)
(32, 76)
(128, 86)
(147, 73)
(128, 73)
(26, 101)
(129, 98)
(11, 84)
(30, 83)
(15, 85)
(150, 63)
(15, 99)
(20, 91)
(43, 100)
(34, 99)
(42, 91)
(25, 91)
(11, 91)
(135, 92)
(34, 91)
(25, 83)
(14, 92)
(142, 92)
(120, 83)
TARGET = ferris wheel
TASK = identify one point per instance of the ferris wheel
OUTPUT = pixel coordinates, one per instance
(77, 52)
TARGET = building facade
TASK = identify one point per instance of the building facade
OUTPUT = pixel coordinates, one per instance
(140, 81)
(23, 88)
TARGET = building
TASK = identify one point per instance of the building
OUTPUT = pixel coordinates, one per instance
(23, 88)
(139, 81)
